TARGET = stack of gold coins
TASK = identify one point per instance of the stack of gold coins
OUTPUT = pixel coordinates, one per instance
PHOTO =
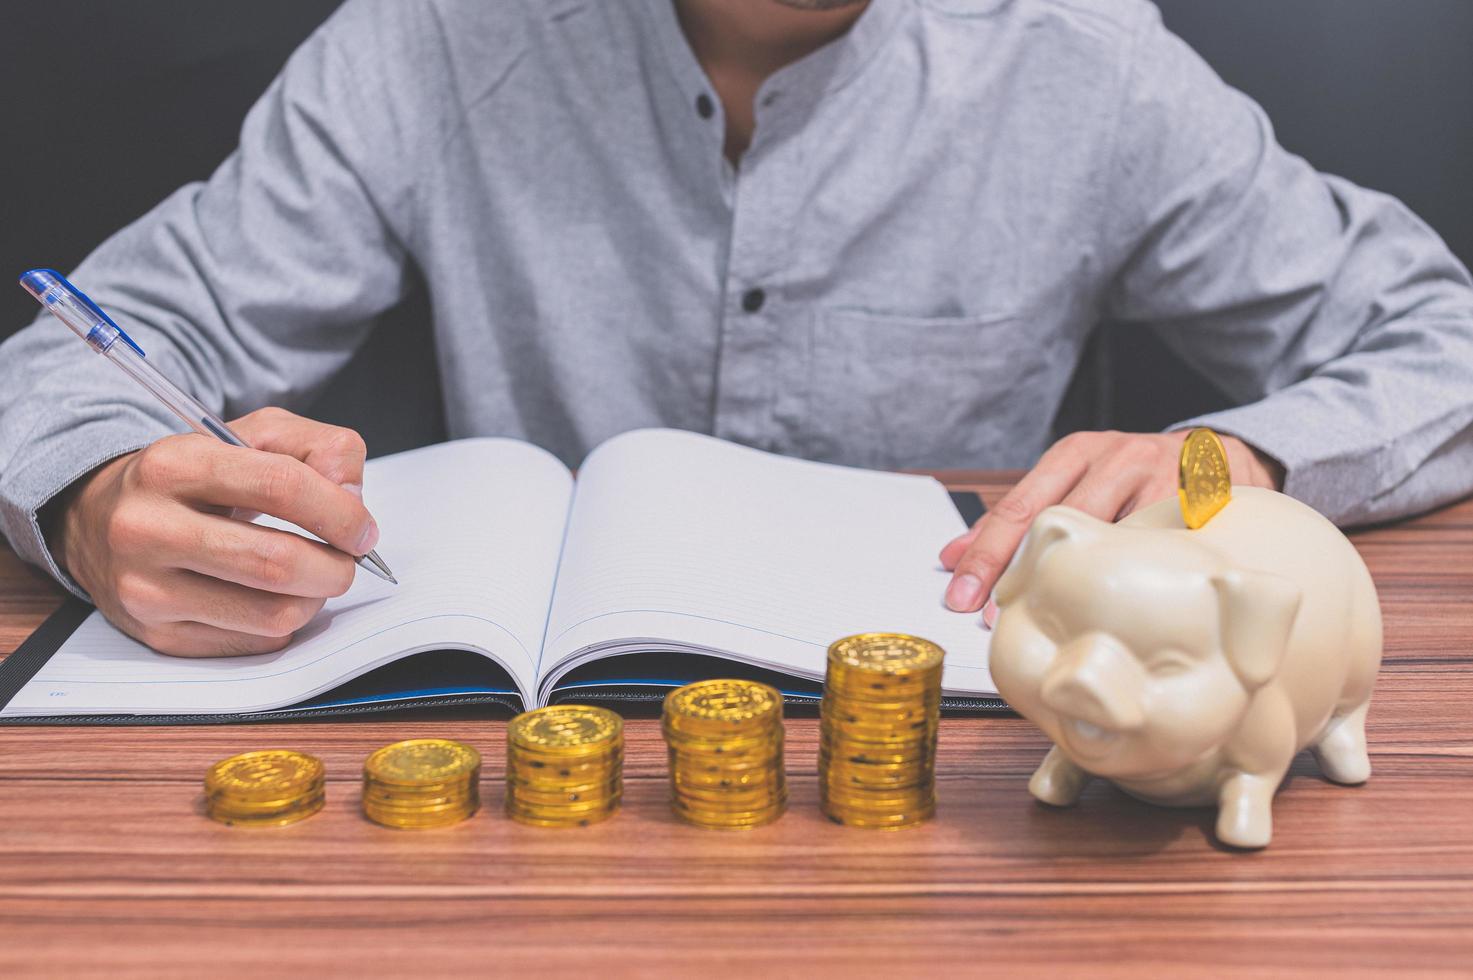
(726, 753)
(265, 789)
(880, 717)
(564, 766)
(422, 783)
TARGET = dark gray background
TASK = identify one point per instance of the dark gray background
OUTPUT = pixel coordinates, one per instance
(110, 106)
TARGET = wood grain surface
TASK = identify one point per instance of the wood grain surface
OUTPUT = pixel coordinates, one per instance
(108, 867)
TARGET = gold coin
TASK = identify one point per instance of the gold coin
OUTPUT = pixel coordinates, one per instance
(574, 769)
(733, 750)
(727, 797)
(466, 807)
(729, 777)
(565, 791)
(838, 774)
(875, 774)
(277, 816)
(706, 816)
(846, 723)
(419, 761)
(269, 775)
(564, 729)
(720, 705)
(532, 818)
(562, 811)
(419, 821)
(1204, 485)
(923, 698)
(378, 796)
(878, 821)
(898, 658)
(894, 654)
(607, 758)
(561, 794)
(726, 752)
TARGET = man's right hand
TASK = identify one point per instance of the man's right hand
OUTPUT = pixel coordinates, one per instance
(151, 537)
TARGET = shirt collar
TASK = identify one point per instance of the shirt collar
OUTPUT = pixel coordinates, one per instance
(806, 80)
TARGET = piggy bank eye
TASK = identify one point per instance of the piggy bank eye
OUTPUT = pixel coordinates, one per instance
(1168, 662)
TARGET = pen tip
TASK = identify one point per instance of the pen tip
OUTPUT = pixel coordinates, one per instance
(375, 564)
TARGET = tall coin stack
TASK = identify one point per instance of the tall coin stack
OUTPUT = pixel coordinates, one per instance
(726, 753)
(564, 766)
(422, 783)
(265, 789)
(880, 718)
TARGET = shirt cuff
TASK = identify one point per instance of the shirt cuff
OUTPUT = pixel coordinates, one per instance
(1334, 481)
(51, 468)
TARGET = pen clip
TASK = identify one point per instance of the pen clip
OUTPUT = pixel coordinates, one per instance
(87, 302)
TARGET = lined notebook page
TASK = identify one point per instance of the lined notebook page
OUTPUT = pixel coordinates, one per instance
(681, 537)
(471, 528)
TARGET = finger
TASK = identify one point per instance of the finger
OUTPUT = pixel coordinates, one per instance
(335, 452)
(989, 613)
(199, 640)
(184, 596)
(957, 546)
(257, 557)
(211, 473)
(1137, 471)
(1104, 491)
(1153, 492)
(1003, 527)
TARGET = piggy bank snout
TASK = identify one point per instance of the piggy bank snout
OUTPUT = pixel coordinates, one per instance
(1095, 681)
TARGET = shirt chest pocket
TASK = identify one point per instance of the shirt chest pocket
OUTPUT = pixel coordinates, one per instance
(894, 391)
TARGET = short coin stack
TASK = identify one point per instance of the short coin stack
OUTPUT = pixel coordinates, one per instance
(880, 718)
(265, 789)
(726, 753)
(422, 783)
(564, 766)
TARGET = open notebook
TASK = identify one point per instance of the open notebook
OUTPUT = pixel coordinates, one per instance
(673, 556)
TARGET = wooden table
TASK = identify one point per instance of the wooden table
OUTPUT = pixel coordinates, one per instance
(107, 866)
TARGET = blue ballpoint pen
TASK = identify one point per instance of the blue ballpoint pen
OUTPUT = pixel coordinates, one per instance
(85, 318)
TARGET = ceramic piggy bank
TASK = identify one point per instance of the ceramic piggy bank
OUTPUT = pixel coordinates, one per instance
(1190, 667)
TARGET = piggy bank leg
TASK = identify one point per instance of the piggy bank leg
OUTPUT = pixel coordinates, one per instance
(1058, 782)
(1341, 748)
(1245, 809)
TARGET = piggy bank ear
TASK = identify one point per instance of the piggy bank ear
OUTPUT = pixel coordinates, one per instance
(1049, 528)
(1256, 613)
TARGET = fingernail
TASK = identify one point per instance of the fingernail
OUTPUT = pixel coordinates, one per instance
(964, 593)
(989, 613)
(369, 539)
(356, 489)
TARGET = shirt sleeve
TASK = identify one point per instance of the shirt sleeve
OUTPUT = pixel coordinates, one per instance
(249, 289)
(1340, 322)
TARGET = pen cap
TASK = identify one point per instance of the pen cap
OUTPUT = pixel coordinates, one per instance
(72, 307)
(38, 281)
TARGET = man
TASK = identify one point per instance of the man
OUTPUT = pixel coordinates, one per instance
(874, 233)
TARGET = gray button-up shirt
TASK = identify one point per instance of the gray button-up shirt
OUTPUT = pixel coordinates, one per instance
(934, 213)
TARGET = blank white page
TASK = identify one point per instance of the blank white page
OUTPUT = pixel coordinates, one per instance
(472, 529)
(682, 541)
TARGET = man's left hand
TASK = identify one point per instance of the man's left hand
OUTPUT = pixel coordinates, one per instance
(1105, 474)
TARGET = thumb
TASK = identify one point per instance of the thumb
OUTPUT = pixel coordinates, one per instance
(335, 452)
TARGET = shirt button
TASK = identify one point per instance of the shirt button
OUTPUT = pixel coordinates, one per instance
(753, 299)
(705, 108)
